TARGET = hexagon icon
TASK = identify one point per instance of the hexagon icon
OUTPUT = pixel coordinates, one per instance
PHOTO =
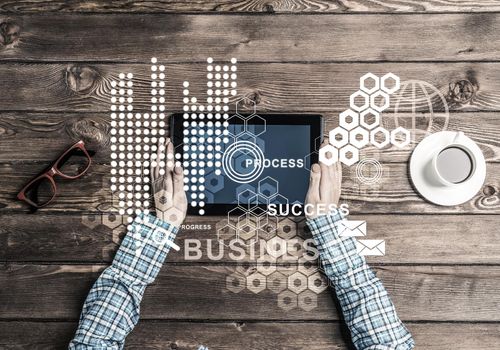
(287, 228)
(246, 136)
(246, 105)
(369, 83)
(369, 119)
(91, 220)
(226, 233)
(390, 83)
(379, 101)
(266, 265)
(214, 183)
(349, 155)
(247, 233)
(295, 246)
(338, 137)
(405, 135)
(276, 247)
(297, 282)
(235, 282)
(256, 125)
(287, 300)
(317, 283)
(308, 266)
(256, 282)
(111, 220)
(359, 137)
(268, 186)
(237, 125)
(328, 155)
(276, 282)
(348, 119)
(380, 137)
(256, 200)
(307, 300)
(245, 198)
(267, 227)
(278, 199)
(359, 101)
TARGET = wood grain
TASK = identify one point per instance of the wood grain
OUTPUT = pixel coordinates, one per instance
(247, 6)
(278, 87)
(48, 134)
(433, 293)
(131, 38)
(151, 335)
(393, 194)
(410, 239)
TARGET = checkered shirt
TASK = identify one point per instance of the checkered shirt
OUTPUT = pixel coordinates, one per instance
(112, 307)
(367, 308)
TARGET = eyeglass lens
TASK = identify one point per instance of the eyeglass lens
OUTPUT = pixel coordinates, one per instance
(40, 192)
(74, 163)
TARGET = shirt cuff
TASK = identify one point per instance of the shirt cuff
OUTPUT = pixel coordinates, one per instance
(338, 254)
(325, 224)
(144, 248)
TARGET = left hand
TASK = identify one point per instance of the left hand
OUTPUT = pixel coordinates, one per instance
(324, 186)
(168, 186)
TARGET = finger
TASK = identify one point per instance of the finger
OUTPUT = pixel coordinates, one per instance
(325, 183)
(313, 191)
(325, 142)
(157, 160)
(169, 186)
(178, 184)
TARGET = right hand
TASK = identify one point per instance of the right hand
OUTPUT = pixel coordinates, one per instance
(324, 186)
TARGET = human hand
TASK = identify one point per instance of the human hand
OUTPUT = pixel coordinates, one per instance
(168, 185)
(324, 187)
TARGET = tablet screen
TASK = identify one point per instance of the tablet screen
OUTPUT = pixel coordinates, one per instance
(263, 160)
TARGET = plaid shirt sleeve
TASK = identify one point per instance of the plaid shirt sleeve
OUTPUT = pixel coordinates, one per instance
(112, 307)
(367, 308)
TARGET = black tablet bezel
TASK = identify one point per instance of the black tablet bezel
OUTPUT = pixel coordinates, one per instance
(315, 121)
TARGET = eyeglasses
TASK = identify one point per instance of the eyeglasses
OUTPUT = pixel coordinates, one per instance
(71, 165)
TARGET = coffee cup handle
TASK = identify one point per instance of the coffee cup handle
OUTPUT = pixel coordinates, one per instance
(459, 135)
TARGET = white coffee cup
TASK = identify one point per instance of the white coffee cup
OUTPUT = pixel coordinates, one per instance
(453, 163)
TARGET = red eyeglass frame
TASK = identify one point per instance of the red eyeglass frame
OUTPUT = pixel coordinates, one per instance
(53, 171)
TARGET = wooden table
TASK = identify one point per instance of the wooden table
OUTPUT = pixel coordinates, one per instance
(57, 60)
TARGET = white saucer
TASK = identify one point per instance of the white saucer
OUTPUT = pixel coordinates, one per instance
(435, 192)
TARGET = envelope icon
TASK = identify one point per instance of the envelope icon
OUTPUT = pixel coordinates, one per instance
(375, 247)
(352, 228)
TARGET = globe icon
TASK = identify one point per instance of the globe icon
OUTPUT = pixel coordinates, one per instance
(420, 108)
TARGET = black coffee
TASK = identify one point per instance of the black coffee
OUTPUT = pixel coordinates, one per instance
(454, 164)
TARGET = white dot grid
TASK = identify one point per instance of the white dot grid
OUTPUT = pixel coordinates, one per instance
(134, 142)
(202, 144)
(157, 86)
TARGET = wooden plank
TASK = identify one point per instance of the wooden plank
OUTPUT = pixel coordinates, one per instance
(432, 293)
(248, 6)
(393, 194)
(49, 134)
(123, 37)
(277, 87)
(410, 239)
(245, 335)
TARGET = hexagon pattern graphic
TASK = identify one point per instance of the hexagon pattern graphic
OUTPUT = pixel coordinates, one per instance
(359, 126)
(296, 284)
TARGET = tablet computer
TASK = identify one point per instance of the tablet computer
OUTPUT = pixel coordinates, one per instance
(244, 160)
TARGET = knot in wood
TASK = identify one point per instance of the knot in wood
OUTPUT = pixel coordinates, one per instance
(9, 33)
(489, 190)
(462, 91)
(81, 79)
